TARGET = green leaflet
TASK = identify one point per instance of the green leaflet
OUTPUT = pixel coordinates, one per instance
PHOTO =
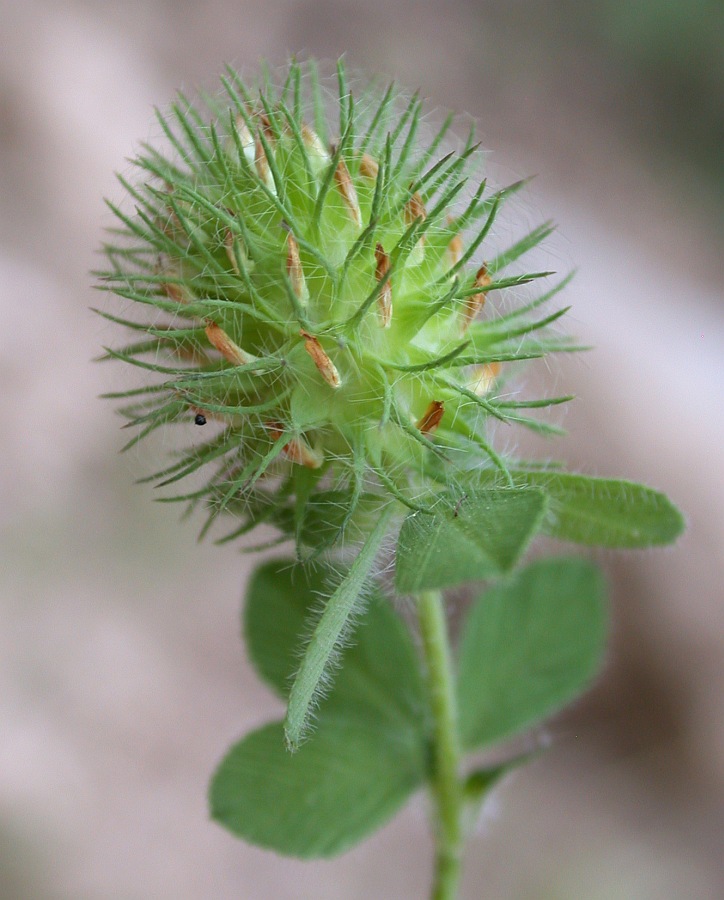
(321, 800)
(369, 752)
(605, 512)
(528, 647)
(472, 536)
(331, 630)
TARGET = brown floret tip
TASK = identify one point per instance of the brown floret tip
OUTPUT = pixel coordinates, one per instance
(431, 417)
(384, 302)
(368, 167)
(297, 450)
(325, 365)
(475, 302)
(295, 271)
(346, 187)
(227, 348)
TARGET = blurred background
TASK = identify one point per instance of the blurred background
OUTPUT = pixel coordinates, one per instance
(122, 678)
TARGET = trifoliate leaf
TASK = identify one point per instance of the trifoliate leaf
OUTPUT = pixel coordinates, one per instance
(370, 748)
(528, 647)
(471, 536)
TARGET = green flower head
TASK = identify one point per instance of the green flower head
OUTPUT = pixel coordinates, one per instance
(314, 288)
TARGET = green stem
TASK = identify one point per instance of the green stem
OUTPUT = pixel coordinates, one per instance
(446, 785)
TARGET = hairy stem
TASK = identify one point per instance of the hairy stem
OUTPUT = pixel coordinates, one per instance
(446, 784)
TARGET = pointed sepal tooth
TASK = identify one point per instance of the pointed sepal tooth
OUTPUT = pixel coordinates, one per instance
(368, 167)
(327, 368)
(431, 418)
(295, 270)
(297, 450)
(231, 351)
(384, 301)
(345, 186)
(475, 302)
(483, 377)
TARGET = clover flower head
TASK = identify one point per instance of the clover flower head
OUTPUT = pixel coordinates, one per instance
(314, 289)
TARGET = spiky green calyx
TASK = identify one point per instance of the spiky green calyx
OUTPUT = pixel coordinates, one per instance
(313, 290)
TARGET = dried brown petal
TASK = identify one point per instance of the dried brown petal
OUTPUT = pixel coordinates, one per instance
(295, 270)
(297, 450)
(484, 377)
(383, 262)
(415, 209)
(313, 143)
(431, 418)
(345, 186)
(267, 127)
(236, 250)
(325, 365)
(475, 302)
(179, 293)
(229, 239)
(368, 167)
(261, 163)
(455, 249)
(246, 141)
(227, 348)
(384, 301)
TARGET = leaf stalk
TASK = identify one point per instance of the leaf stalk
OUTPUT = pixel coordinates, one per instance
(446, 785)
